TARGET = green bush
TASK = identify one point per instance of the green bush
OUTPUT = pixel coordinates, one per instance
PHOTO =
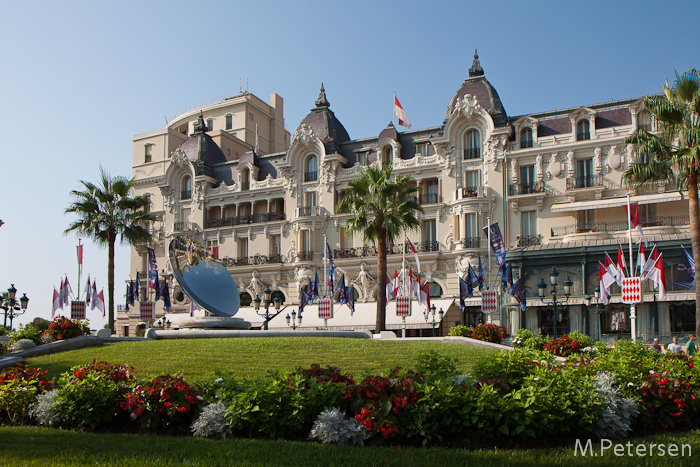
(91, 401)
(4, 331)
(167, 402)
(513, 366)
(461, 330)
(27, 332)
(527, 340)
(483, 332)
(4, 347)
(432, 365)
(64, 328)
(19, 387)
(41, 324)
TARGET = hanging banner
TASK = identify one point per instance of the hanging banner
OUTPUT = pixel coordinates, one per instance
(146, 310)
(403, 306)
(325, 310)
(497, 246)
(489, 301)
(631, 290)
(77, 309)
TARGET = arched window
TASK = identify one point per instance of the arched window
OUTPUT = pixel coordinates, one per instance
(388, 155)
(583, 130)
(526, 138)
(472, 145)
(245, 179)
(435, 290)
(278, 293)
(246, 300)
(186, 187)
(644, 121)
(311, 169)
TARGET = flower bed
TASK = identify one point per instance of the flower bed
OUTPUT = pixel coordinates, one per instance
(483, 332)
(519, 394)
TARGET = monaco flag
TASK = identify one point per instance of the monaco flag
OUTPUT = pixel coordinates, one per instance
(100, 305)
(634, 217)
(658, 277)
(56, 302)
(400, 114)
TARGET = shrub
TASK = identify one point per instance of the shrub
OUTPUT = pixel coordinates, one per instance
(212, 423)
(22, 344)
(44, 410)
(618, 413)
(63, 328)
(483, 332)
(527, 340)
(27, 332)
(113, 372)
(4, 347)
(433, 365)
(562, 346)
(19, 388)
(333, 426)
(166, 402)
(4, 331)
(581, 339)
(668, 401)
(41, 324)
(513, 366)
(91, 400)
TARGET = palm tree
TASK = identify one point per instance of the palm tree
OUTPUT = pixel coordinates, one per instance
(381, 208)
(105, 211)
(675, 152)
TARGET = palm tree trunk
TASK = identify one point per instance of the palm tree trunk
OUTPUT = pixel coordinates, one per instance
(694, 211)
(111, 238)
(381, 280)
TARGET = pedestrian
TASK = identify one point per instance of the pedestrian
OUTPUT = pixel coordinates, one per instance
(655, 346)
(674, 347)
(690, 346)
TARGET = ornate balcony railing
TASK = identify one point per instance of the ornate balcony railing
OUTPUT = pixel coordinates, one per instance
(307, 211)
(470, 192)
(248, 219)
(583, 136)
(430, 246)
(428, 198)
(245, 186)
(305, 256)
(528, 240)
(397, 249)
(186, 194)
(251, 260)
(526, 144)
(471, 242)
(310, 176)
(527, 188)
(472, 153)
(587, 181)
(644, 126)
(617, 226)
(184, 227)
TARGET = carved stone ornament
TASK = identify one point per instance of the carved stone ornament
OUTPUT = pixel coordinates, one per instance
(303, 135)
(168, 201)
(513, 171)
(467, 106)
(365, 281)
(447, 153)
(598, 160)
(571, 167)
(179, 158)
(630, 155)
(614, 158)
(539, 172)
(256, 285)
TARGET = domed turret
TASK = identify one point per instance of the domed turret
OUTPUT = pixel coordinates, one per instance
(201, 149)
(478, 86)
(325, 125)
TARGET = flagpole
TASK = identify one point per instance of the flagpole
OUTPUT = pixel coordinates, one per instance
(80, 261)
(393, 114)
(633, 307)
(403, 281)
(488, 235)
(325, 265)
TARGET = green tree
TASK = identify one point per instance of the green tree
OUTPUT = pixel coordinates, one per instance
(674, 151)
(108, 210)
(381, 209)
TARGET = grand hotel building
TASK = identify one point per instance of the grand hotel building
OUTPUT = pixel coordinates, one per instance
(552, 180)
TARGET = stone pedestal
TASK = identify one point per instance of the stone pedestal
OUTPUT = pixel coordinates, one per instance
(214, 322)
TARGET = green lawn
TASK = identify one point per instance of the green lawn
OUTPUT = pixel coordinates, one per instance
(44, 447)
(197, 359)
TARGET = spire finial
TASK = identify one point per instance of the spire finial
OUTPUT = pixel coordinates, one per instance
(199, 125)
(476, 69)
(322, 101)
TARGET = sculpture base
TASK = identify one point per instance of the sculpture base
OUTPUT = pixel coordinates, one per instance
(214, 322)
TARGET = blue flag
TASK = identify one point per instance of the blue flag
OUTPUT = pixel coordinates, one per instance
(517, 290)
(309, 292)
(331, 269)
(303, 301)
(497, 246)
(342, 297)
(165, 295)
(156, 286)
(316, 287)
(481, 276)
(138, 286)
(463, 292)
(350, 294)
(472, 280)
(685, 272)
(130, 293)
(505, 272)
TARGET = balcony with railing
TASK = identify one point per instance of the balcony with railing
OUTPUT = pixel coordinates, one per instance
(397, 249)
(526, 143)
(305, 256)
(247, 219)
(469, 192)
(186, 194)
(430, 245)
(586, 181)
(471, 242)
(305, 211)
(526, 188)
(251, 260)
(310, 176)
(472, 153)
(184, 227)
(245, 186)
(428, 198)
(528, 240)
(616, 226)
(583, 136)
(644, 126)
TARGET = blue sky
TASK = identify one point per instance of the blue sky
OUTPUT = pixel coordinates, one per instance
(80, 79)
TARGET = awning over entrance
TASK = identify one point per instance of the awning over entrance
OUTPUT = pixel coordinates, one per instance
(615, 202)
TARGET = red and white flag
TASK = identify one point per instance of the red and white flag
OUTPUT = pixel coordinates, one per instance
(400, 114)
(634, 217)
(396, 285)
(88, 292)
(193, 306)
(56, 304)
(606, 280)
(621, 265)
(61, 294)
(641, 259)
(610, 267)
(649, 264)
(415, 286)
(389, 289)
(658, 277)
(424, 298)
(94, 295)
(100, 305)
(415, 255)
(69, 290)
(79, 249)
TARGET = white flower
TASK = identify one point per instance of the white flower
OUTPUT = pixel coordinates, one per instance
(219, 380)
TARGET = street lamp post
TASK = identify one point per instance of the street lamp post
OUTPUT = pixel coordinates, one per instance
(292, 321)
(553, 302)
(267, 294)
(10, 305)
(598, 310)
(433, 323)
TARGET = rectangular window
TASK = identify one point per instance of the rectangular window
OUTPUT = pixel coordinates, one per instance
(148, 153)
(305, 241)
(310, 198)
(471, 180)
(647, 215)
(527, 175)
(528, 224)
(229, 122)
(210, 124)
(422, 149)
(275, 245)
(584, 173)
(429, 193)
(471, 231)
(243, 249)
(430, 236)
(586, 220)
(362, 158)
